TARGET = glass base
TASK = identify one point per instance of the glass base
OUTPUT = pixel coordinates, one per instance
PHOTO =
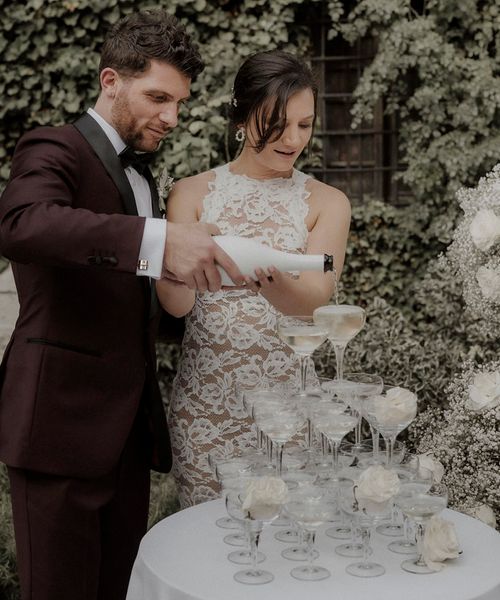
(281, 522)
(253, 577)
(227, 523)
(298, 553)
(412, 566)
(236, 539)
(350, 550)
(365, 569)
(310, 573)
(289, 536)
(242, 557)
(339, 533)
(390, 530)
(402, 547)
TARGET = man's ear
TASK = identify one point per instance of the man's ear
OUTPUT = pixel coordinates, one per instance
(109, 79)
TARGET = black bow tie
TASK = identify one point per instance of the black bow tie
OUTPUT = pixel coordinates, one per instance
(140, 162)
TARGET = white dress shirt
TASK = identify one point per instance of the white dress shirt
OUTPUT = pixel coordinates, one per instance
(155, 230)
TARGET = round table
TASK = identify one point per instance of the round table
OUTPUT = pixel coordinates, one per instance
(184, 557)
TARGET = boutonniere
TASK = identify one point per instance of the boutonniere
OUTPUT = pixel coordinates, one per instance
(165, 184)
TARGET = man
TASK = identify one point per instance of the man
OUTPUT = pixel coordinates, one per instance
(81, 417)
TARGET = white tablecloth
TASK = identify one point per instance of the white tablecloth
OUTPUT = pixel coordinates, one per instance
(183, 557)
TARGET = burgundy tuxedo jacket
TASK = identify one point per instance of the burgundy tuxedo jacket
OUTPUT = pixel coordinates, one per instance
(81, 359)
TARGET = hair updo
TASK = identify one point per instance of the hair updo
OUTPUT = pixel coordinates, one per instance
(262, 87)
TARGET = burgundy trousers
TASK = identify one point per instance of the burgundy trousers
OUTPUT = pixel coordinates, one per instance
(77, 539)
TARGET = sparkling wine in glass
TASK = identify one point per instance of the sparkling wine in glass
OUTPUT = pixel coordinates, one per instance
(311, 508)
(389, 415)
(343, 322)
(303, 335)
(279, 420)
(420, 505)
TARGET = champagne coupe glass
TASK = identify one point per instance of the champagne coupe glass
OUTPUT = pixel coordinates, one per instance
(388, 418)
(234, 505)
(406, 469)
(224, 465)
(366, 518)
(311, 508)
(355, 389)
(303, 335)
(295, 479)
(421, 505)
(279, 420)
(334, 421)
(421, 482)
(343, 322)
(234, 489)
(261, 394)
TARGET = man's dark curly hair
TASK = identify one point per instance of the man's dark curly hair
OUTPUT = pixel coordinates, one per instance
(140, 37)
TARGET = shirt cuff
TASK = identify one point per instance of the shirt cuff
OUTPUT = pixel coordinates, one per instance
(150, 262)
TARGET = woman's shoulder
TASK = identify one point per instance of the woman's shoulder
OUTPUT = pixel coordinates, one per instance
(327, 197)
(196, 183)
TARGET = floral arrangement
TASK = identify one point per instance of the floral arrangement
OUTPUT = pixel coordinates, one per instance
(165, 183)
(465, 439)
(475, 251)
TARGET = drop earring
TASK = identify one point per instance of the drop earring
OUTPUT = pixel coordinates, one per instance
(240, 135)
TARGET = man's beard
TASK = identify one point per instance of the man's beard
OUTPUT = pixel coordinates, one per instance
(125, 124)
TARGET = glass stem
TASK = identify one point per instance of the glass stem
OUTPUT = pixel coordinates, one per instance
(310, 536)
(254, 535)
(375, 442)
(335, 455)
(390, 450)
(279, 458)
(339, 356)
(303, 372)
(309, 434)
(365, 538)
(357, 430)
(419, 534)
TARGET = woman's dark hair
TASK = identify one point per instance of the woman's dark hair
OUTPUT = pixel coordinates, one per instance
(262, 87)
(138, 38)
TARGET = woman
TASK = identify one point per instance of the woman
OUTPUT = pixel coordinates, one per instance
(231, 334)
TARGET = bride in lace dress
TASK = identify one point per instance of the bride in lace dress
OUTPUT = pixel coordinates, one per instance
(230, 336)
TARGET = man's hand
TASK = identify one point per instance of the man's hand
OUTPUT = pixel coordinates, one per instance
(190, 256)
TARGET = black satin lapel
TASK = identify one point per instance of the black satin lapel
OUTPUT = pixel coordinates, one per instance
(104, 149)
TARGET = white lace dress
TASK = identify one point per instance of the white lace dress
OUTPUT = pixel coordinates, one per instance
(231, 336)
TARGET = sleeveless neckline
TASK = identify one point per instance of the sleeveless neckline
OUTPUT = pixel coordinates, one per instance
(292, 178)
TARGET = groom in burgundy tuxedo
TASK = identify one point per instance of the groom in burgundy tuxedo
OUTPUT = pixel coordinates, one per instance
(81, 416)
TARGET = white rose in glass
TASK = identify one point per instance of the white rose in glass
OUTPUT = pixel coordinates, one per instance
(375, 487)
(427, 461)
(484, 392)
(440, 543)
(484, 513)
(264, 498)
(398, 406)
(489, 283)
(485, 229)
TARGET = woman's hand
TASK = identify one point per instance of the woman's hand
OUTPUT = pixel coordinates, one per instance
(264, 280)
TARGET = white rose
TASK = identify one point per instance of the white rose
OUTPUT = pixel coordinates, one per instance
(484, 513)
(440, 543)
(264, 497)
(397, 407)
(376, 486)
(484, 392)
(427, 461)
(485, 229)
(489, 283)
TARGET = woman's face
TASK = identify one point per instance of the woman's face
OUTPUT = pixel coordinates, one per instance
(281, 154)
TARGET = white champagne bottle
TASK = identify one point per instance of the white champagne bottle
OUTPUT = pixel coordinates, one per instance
(249, 254)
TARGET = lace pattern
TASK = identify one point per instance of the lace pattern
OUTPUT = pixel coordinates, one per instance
(230, 336)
